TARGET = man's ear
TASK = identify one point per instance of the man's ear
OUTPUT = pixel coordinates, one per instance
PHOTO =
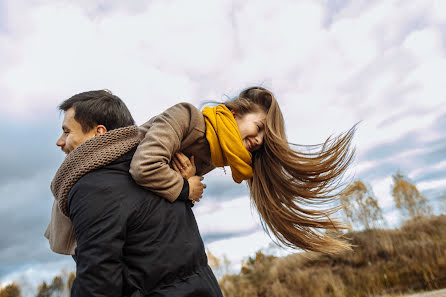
(100, 129)
(233, 112)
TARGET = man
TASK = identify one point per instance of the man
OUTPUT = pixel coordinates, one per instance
(129, 242)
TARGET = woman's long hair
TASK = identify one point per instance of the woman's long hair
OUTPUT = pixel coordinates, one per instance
(294, 192)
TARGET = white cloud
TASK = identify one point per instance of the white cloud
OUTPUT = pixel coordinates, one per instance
(433, 184)
(382, 190)
(66, 52)
(233, 216)
(419, 171)
(438, 10)
(424, 43)
(393, 218)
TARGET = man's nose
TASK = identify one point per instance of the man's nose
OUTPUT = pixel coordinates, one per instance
(60, 142)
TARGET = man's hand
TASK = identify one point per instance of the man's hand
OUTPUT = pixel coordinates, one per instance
(196, 188)
(184, 166)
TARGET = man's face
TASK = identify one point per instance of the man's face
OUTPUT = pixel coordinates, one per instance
(72, 134)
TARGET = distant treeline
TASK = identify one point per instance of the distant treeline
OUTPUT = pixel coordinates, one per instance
(59, 287)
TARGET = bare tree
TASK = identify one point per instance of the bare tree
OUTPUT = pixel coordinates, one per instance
(360, 205)
(407, 197)
(220, 267)
(11, 290)
(43, 290)
(55, 289)
(70, 281)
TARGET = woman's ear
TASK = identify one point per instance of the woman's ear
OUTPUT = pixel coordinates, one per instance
(233, 112)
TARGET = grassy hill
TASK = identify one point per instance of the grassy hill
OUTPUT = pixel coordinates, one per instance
(408, 259)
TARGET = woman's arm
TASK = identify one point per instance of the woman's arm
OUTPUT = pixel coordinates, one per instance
(150, 165)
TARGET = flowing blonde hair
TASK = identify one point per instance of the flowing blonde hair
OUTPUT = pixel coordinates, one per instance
(289, 187)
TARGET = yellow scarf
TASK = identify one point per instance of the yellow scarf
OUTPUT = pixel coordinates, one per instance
(226, 143)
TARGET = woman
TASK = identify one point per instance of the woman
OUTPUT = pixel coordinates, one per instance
(247, 133)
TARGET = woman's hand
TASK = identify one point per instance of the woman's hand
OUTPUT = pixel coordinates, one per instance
(187, 169)
(184, 166)
(196, 188)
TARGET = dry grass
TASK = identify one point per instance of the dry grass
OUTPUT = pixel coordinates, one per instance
(390, 262)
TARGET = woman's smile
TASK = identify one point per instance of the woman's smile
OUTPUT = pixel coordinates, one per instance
(252, 128)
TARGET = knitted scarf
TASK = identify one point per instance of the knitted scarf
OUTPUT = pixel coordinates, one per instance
(90, 155)
(226, 143)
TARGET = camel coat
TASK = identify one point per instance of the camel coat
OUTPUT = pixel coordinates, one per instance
(181, 128)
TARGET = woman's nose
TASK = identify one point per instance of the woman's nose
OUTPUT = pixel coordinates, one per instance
(258, 140)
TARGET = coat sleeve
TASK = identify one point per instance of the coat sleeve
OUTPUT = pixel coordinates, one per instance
(150, 165)
(99, 224)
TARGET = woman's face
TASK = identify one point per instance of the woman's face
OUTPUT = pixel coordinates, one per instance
(252, 128)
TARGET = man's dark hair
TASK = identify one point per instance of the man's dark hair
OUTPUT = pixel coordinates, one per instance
(98, 108)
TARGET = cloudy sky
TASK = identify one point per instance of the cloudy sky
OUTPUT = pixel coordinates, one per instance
(330, 64)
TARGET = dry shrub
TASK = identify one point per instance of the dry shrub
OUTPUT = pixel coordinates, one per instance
(280, 290)
(233, 285)
(315, 281)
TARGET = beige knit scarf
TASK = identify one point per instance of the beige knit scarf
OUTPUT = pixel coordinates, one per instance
(90, 155)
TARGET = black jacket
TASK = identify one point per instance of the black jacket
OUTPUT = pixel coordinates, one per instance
(131, 242)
